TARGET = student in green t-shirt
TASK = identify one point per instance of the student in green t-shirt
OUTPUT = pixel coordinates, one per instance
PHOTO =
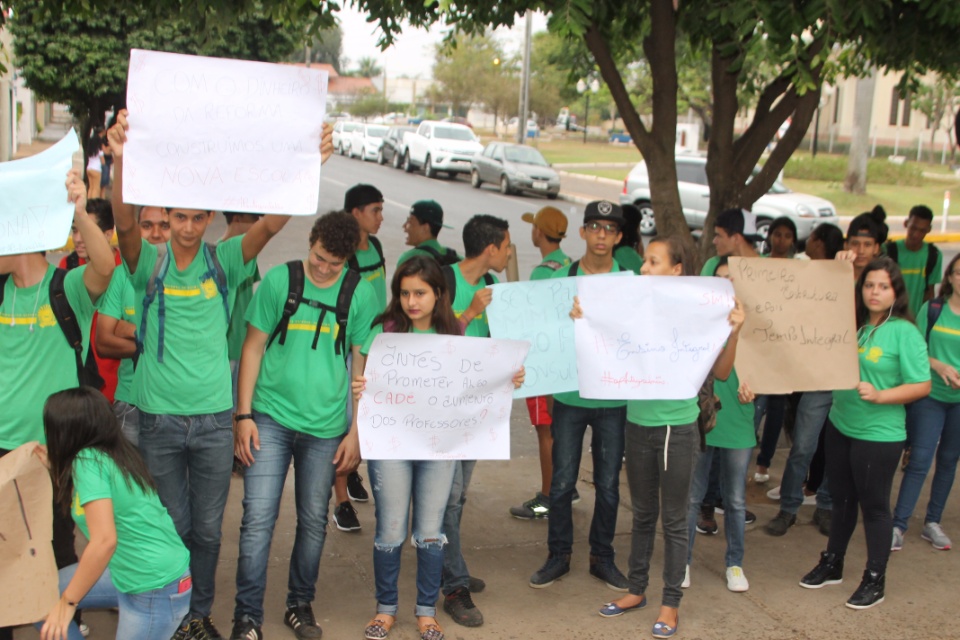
(864, 442)
(629, 251)
(933, 423)
(134, 560)
(423, 227)
(921, 263)
(734, 234)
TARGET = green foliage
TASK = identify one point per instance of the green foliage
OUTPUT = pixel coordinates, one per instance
(368, 104)
(472, 69)
(831, 168)
(326, 46)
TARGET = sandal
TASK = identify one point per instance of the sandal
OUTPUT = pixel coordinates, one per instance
(429, 629)
(379, 627)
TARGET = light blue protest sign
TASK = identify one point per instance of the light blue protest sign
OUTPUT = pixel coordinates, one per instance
(34, 212)
(539, 313)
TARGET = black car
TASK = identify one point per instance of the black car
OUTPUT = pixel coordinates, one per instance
(392, 148)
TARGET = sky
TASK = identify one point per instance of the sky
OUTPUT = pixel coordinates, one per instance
(413, 52)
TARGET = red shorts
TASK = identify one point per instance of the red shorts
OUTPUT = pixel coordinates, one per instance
(539, 416)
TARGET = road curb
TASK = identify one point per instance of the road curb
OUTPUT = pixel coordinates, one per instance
(590, 178)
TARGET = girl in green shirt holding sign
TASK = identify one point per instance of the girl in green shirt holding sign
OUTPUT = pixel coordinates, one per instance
(864, 443)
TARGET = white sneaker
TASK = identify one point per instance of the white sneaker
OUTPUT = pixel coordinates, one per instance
(933, 533)
(809, 501)
(761, 478)
(686, 579)
(774, 494)
(896, 543)
(736, 581)
(84, 629)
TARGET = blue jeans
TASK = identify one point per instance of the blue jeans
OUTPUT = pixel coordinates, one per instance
(568, 428)
(190, 459)
(455, 571)
(395, 483)
(129, 418)
(811, 415)
(262, 489)
(733, 465)
(151, 615)
(929, 422)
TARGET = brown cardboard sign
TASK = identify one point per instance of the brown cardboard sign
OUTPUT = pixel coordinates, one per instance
(28, 571)
(800, 330)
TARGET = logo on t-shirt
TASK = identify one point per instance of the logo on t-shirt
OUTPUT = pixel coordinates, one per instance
(209, 288)
(45, 317)
(873, 355)
(77, 508)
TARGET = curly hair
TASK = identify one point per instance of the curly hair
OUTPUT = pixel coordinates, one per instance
(338, 232)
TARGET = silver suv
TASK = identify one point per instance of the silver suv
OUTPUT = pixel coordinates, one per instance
(806, 211)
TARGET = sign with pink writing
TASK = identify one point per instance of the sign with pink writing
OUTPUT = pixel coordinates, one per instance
(649, 338)
(435, 397)
(226, 135)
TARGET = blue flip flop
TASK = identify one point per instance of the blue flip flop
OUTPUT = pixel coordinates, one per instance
(663, 630)
(611, 610)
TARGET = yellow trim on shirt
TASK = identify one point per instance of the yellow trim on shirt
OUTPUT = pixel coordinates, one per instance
(948, 330)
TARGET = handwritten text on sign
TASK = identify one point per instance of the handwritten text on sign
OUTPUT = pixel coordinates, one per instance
(209, 133)
(800, 332)
(650, 338)
(34, 212)
(432, 397)
(539, 312)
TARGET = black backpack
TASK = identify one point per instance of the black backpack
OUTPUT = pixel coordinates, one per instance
(295, 297)
(448, 257)
(354, 264)
(934, 309)
(932, 255)
(87, 372)
(451, 279)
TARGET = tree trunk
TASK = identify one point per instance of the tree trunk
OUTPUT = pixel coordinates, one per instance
(856, 180)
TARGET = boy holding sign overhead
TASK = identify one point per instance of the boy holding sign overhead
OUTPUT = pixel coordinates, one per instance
(602, 221)
(182, 380)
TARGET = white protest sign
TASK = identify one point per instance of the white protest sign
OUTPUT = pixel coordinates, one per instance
(650, 338)
(232, 135)
(538, 312)
(431, 397)
(34, 212)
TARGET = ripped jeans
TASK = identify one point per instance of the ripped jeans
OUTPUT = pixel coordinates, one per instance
(395, 483)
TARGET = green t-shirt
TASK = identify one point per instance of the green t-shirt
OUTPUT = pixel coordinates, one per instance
(544, 272)
(302, 388)
(734, 428)
(120, 303)
(913, 266)
(893, 355)
(660, 413)
(194, 377)
(378, 329)
(238, 326)
(149, 553)
(628, 258)
(944, 346)
(478, 327)
(37, 363)
(420, 251)
(377, 277)
(572, 398)
(710, 266)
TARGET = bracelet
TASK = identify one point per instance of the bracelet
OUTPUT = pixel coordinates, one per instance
(243, 416)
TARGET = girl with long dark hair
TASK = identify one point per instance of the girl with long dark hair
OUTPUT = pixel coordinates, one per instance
(135, 561)
(867, 431)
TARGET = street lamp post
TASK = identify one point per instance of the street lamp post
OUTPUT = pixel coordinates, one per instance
(582, 86)
(825, 94)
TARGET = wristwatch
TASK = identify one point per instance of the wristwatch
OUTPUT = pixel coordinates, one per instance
(243, 416)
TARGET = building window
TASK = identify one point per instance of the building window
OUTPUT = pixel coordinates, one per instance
(905, 119)
(836, 105)
(894, 106)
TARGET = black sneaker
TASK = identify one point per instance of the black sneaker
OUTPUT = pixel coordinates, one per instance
(556, 566)
(605, 571)
(780, 523)
(749, 517)
(301, 619)
(476, 585)
(245, 629)
(870, 592)
(533, 509)
(355, 488)
(828, 571)
(198, 629)
(459, 605)
(823, 518)
(707, 523)
(345, 517)
(576, 496)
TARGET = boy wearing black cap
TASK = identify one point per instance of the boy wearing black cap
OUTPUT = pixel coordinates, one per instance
(602, 222)
(734, 233)
(422, 228)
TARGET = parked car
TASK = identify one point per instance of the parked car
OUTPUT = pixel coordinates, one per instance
(440, 146)
(393, 146)
(515, 167)
(806, 211)
(341, 135)
(458, 120)
(365, 141)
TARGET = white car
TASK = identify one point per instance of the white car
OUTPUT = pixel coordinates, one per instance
(364, 142)
(341, 135)
(441, 146)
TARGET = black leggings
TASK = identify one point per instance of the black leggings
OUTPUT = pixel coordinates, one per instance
(861, 475)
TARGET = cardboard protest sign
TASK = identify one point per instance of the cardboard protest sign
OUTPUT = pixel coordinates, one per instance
(28, 572)
(34, 212)
(538, 312)
(800, 332)
(649, 338)
(431, 397)
(232, 135)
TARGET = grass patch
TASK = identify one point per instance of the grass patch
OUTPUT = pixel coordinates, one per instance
(570, 150)
(613, 174)
(834, 168)
(896, 199)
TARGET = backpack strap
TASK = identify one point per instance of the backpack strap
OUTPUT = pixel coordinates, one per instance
(354, 263)
(448, 256)
(87, 373)
(3, 284)
(295, 277)
(451, 279)
(933, 254)
(934, 309)
(572, 271)
(892, 251)
(488, 279)
(215, 271)
(347, 288)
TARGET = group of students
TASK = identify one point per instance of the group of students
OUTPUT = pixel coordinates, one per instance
(147, 478)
